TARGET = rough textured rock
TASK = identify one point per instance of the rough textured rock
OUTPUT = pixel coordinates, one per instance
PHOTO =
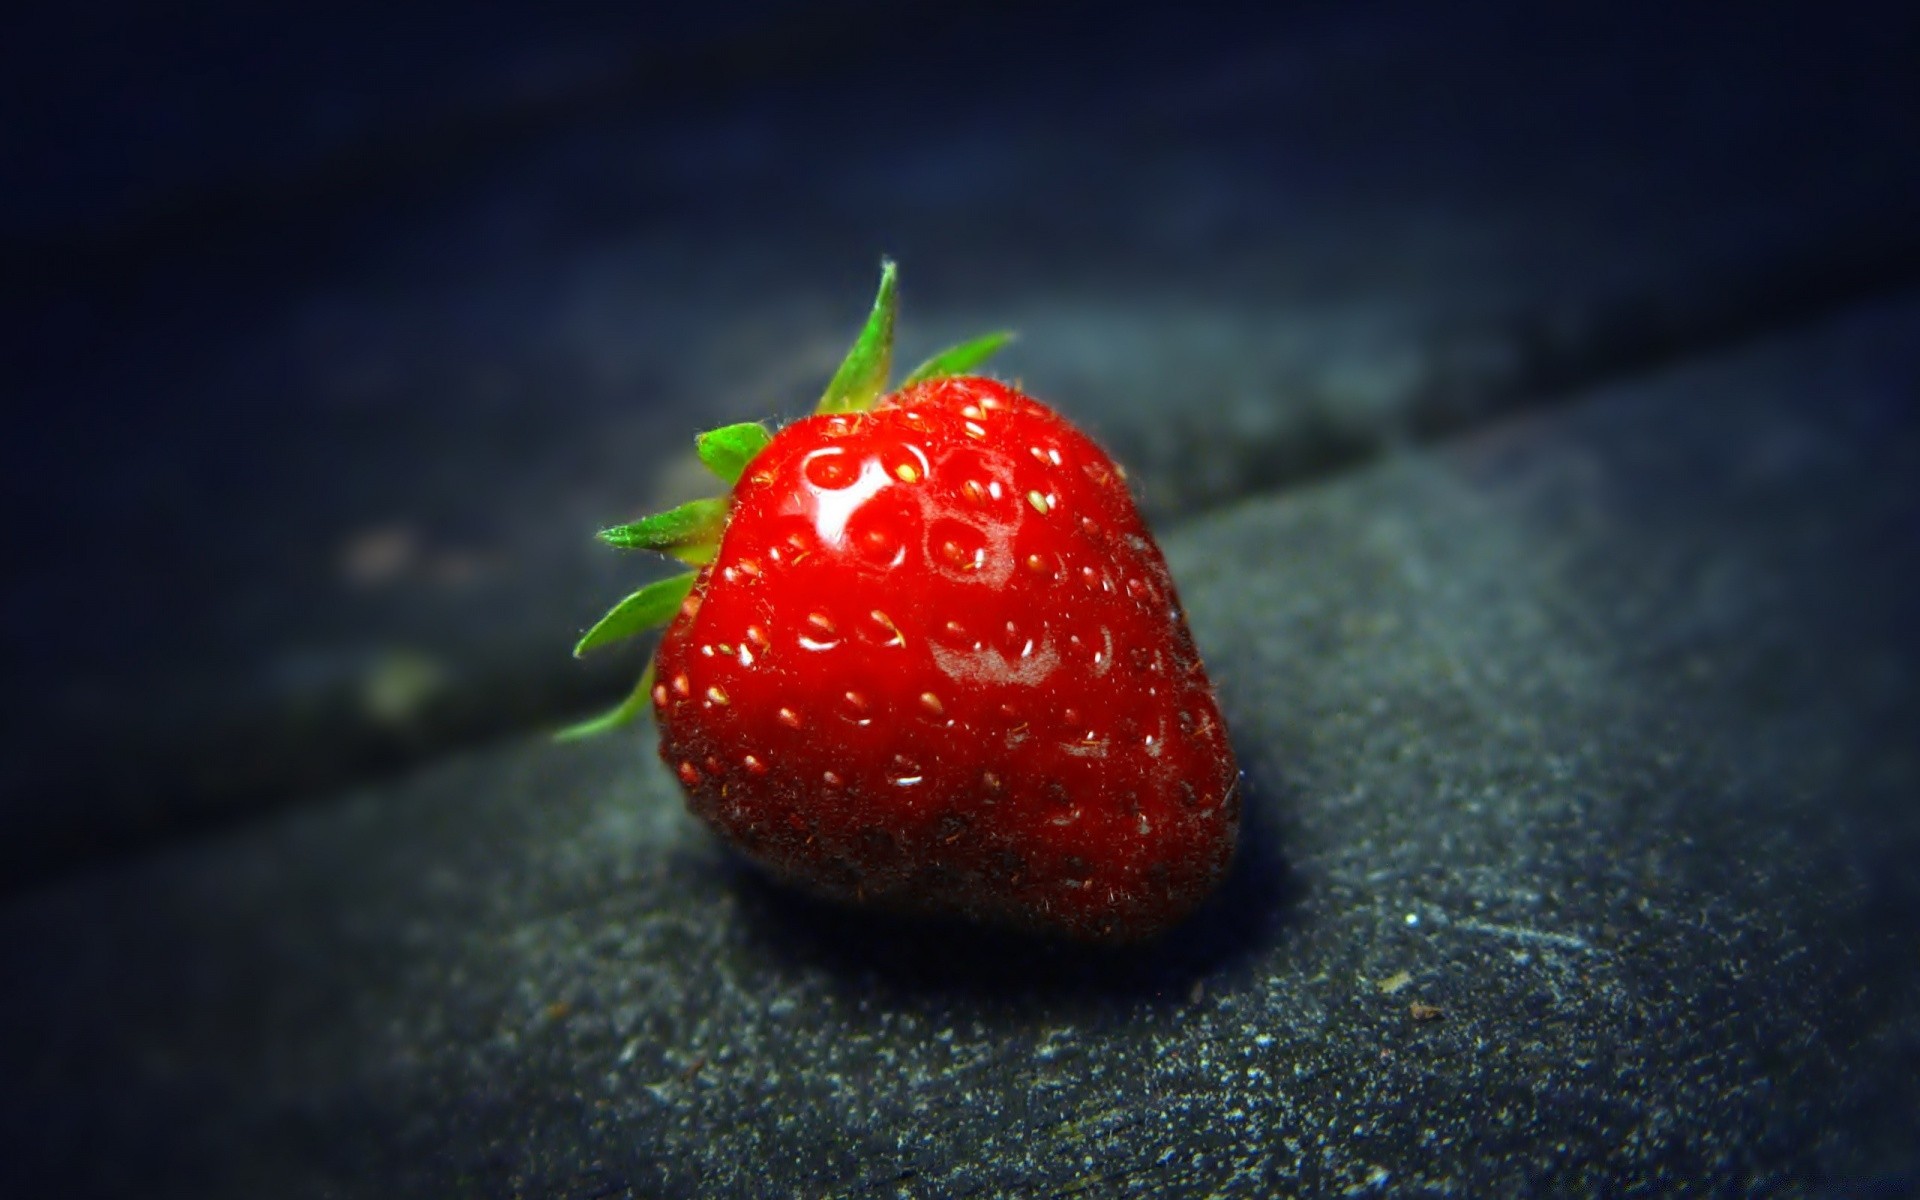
(346, 439)
(1580, 863)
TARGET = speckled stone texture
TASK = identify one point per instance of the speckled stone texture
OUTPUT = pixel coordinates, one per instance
(327, 446)
(1579, 862)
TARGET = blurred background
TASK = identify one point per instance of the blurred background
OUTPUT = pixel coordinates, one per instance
(332, 334)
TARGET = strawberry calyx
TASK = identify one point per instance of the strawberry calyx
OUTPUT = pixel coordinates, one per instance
(691, 532)
(959, 360)
(862, 376)
(726, 451)
(651, 606)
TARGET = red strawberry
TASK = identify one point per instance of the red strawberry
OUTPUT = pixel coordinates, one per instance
(936, 661)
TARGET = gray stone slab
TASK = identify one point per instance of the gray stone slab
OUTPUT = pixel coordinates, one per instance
(1589, 732)
(325, 484)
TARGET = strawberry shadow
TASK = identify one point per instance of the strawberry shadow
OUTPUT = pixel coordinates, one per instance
(1246, 917)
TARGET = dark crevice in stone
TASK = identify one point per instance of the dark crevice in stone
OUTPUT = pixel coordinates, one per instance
(1554, 356)
(206, 780)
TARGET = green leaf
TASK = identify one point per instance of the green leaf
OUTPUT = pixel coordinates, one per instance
(628, 711)
(958, 360)
(862, 376)
(729, 449)
(690, 533)
(652, 605)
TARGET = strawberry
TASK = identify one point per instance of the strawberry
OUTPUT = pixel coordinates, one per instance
(933, 660)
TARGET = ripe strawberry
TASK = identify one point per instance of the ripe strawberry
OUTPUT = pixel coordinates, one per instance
(934, 660)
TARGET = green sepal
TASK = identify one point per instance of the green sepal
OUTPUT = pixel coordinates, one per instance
(958, 360)
(691, 533)
(728, 449)
(862, 376)
(652, 605)
(618, 718)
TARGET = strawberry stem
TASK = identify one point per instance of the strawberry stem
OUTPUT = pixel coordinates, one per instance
(958, 360)
(652, 605)
(862, 376)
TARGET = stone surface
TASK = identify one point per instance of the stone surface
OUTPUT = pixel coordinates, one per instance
(1580, 857)
(326, 459)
